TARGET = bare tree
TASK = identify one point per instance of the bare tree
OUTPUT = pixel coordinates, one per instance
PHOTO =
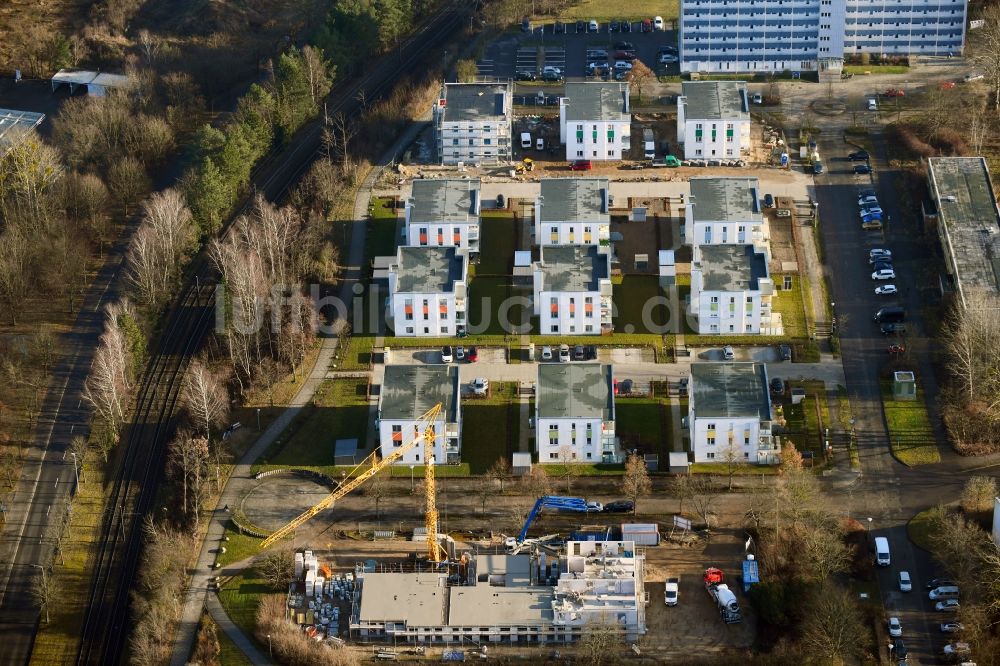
(978, 494)
(986, 53)
(15, 259)
(703, 498)
(43, 591)
(109, 385)
(823, 552)
(536, 482)
(734, 459)
(834, 628)
(277, 568)
(601, 643)
(639, 76)
(377, 490)
(636, 483)
(29, 172)
(960, 545)
(567, 460)
(500, 471)
(166, 236)
(187, 460)
(127, 180)
(682, 486)
(206, 397)
(342, 132)
(79, 448)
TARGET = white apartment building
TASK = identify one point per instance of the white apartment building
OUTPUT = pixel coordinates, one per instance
(572, 291)
(724, 211)
(406, 394)
(472, 122)
(427, 292)
(713, 119)
(575, 413)
(731, 291)
(806, 35)
(573, 211)
(595, 121)
(729, 413)
(444, 213)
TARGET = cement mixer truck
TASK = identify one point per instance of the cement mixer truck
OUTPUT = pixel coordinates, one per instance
(724, 598)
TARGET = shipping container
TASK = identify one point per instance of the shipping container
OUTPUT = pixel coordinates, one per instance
(643, 534)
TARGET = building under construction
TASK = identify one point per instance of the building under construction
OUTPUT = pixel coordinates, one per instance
(495, 598)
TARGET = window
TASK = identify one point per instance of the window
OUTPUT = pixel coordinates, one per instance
(587, 235)
(486, 142)
(454, 142)
(555, 328)
(397, 435)
(408, 310)
(698, 152)
(423, 235)
(714, 307)
(708, 235)
(588, 306)
(554, 456)
(710, 456)
(444, 330)
(710, 440)
(579, 153)
(427, 310)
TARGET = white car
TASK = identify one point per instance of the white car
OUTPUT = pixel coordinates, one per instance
(594, 507)
(728, 353)
(564, 353)
(593, 26)
(878, 253)
(658, 26)
(905, 584)
(867, 199)
(873, 210)
(546, 353)
(551, 69)
(948, 605)
(884, 274)
(951, 627)
(623, 65)
(670, 592)
(886, 290)
(895, 628)
(872, 104)
(480, 386)
(667, 58)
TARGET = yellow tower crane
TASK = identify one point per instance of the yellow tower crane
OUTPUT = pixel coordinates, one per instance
(371, 466)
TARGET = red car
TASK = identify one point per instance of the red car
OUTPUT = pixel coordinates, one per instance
(472, 355)
(647, 25)
(897, 349)
(581, 165)
(894, 92)
(947, 85)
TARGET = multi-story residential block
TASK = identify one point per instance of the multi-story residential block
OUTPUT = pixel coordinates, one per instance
(725, 211)
(968, 224)
(713, 119)
(595, 121)
(805, 35)
(730, 290)
(472, 122)
(572, 291)
(575, 413)
(427, 292)
(406, 394)
(729, 413)
(573, 211)
(444, 213)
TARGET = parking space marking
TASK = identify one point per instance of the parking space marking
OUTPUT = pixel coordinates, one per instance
(486, 67)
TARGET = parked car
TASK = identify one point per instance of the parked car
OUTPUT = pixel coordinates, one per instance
(647, 25)
(670, 590)
(884, 274)
(480, 386)
(947, 85)
(472, 355)
(864, 199)
(552, 77)
(757, 98)
(893, 329)
(622, 65)
(882, 266)
(777, 386)
(526, 24)
(613, 26)
(668, 58)
(873, 209)
(460, 354)
(619, 506)
(859, 156)
(951, 627)
(597, 54)
(623, 387)
(894, 92)
(546, 353)
(594, 507)
(885, 290)
(626, 26)
(558, 27)
(564, 353)
(905, 584)
(862, 168)
(939, 582)
(579, 353)
(446, 354)
(947, 606)
(728, 353)
(624, 46)
(878, 253)
(895, 628)
(659, 26)
(786, 352)
(943, 592)
(581, 26)
(593, 26)
(896, 349)
(899, 651)
(768, 201)
(526, 76)
(581, 165)
(624, 55)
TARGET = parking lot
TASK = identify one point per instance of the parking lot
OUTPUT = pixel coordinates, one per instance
(512, 53)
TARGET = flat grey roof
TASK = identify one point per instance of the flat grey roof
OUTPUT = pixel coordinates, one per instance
(414, 598)
(574, 390)
(597, 101)
(410, 390)
(487, 606)
(725, 199)
(445, 200)
(731, 267)
(970, 223)
(730, 390)
(475, 101)
(428, 270)
(15, 125)
(716, 100)
(574, 200)
(572, 268)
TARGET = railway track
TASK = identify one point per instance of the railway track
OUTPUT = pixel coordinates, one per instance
(105, 630)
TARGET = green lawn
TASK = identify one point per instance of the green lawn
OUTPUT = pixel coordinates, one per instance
(486, 294)
(740, 470)
(910, 432)
(403, 471)
(496, 421)
(238, 548)
(789, 303)
(339, 410)
(919, 529)
(357, 354)
(556, 471)
(381, 235)
(497, 242)
(638, 424)
(229, 654)
(802, 423)
(630, 298)
(241, 595)
(604, 11)
(876, 69)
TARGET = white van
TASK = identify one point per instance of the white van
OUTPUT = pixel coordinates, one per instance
(872, 104)
(943, 592)
(540, 143)
(526, 140)
(882, 558)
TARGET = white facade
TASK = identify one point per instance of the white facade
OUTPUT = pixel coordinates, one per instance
(726, 211)
(595, 121)
(427, 292)
(805, 35)
(572, 291)
(393, 433)
(729, 414)
(407, 392)
(573, 211)
(472, 123)
(575, 414)
(730, 291)
(713, 120)
(444, 213)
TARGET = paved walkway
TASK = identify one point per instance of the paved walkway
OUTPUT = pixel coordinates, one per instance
(197, 591)
(242, 641)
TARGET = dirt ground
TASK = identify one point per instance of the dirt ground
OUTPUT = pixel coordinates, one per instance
(782, 246)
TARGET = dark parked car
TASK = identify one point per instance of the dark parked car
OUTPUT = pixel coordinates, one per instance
(859, 156)
(624, 55)
(552, 77)
(893, 329)
(526, 76)
(613, 26)
(623, 387)
(862, 168)
(591, 352)
(579, 353)
(777, 386)
(625, 46)
(619, 506)
(786, 352)
(899, 650)
(768, 201)
(526, 24)
(501, 202)
(626, 26)
(559, 27)
(940, 582)
(581, 26)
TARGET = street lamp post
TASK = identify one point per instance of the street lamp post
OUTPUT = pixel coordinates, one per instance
(869, 529)
(411, 479)
(76, 471)
(269, 651)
